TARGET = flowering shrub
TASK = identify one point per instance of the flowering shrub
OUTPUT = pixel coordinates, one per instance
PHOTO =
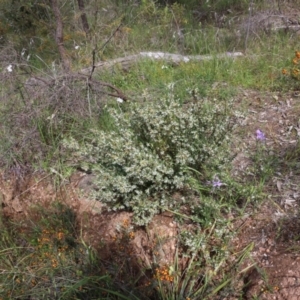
(145, 159)
(295, 71)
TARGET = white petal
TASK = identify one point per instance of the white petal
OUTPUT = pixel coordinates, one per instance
(9, 68)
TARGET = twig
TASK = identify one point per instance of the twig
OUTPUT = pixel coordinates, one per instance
(32, 186)
(94, 82)
(102, 47)
(93, 66)
(111, 36)
(248, 27)
(119, 93)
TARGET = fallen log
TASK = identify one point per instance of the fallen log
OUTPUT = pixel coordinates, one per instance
(85, 75)
(126, 62)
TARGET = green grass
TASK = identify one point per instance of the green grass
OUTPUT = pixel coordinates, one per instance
(44, 256)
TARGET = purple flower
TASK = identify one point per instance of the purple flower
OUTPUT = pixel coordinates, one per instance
(216, 182)
(260, 135)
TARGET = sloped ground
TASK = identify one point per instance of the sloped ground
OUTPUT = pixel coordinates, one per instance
(111, 234)
(273, 227)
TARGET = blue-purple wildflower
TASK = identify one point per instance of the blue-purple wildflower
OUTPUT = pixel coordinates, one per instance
(216, 182)
(260, 135)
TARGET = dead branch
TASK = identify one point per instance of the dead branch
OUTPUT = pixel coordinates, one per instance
(84, 20)
(59, 36)
(94, 84)
(127, 61)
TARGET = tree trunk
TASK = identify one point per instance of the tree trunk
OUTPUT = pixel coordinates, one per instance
(84, 20)
(59, 36)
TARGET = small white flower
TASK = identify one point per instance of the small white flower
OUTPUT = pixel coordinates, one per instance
(23, 52)
(170, 86)
(120, 100)
(51, 117)
(53, 66)
(164, 67)
(9, 68)
(77, 47)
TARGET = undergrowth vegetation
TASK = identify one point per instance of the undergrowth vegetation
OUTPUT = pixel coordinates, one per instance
(43, 257)
(167, 146)
(148, 155)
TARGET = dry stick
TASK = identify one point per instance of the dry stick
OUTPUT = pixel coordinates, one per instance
(93, 67)
(279, 7)
(111, 36)
(102, 47)
(91, 82)
(94, 82)
(32, 186)
(40, 79)
(248, 27)
(88, 86)
(88, 96)
(120, 94)
(84, 20)
(59, 36)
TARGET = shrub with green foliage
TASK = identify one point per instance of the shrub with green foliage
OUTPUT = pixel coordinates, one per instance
(145, 159)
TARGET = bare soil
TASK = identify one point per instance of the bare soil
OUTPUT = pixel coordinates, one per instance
(273, 227)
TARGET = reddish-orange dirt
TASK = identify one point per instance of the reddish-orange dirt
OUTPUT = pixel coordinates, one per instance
(273, 226)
